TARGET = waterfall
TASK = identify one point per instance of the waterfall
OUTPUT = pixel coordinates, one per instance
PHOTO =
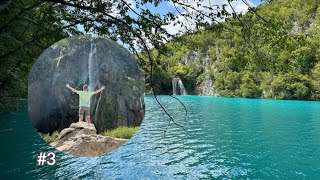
(182, 89)
(141, 100)
(90, 66)
(178, 87)
(60, 57)
(91, 85)
(174, 86)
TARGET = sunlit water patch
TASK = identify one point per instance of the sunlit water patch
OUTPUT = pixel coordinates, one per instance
(224, 138)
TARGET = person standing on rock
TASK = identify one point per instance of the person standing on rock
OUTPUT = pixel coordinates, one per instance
(84, 101)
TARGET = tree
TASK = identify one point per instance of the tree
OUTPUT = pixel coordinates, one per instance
(30, 26)
(26, 29)
(45, 21)
(258, 54)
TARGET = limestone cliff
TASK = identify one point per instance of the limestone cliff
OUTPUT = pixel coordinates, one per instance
(94, 61)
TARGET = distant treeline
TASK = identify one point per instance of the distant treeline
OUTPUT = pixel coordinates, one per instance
(272, 52)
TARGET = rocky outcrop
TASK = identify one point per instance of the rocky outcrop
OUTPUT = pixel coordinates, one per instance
(192, 58)
(94, 61)
(206, 88)
(81, 139)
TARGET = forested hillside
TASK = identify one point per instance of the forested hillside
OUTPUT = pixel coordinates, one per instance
(25, 32)
(272, 52)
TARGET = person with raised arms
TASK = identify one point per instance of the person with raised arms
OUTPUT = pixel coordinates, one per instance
(84, 101)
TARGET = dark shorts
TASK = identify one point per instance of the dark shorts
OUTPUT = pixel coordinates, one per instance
(84, 110)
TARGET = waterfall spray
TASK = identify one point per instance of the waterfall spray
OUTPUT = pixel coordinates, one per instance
(178, 87)
(91, 86)
(90, 65)
(60, 57)
(95, 113)
(174, 86)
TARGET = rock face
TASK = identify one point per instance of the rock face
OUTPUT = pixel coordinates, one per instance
(81, 139)
(90, 60)
(206, 88)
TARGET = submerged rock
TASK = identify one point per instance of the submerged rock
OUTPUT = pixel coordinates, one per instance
(94, 61)
(81, 139)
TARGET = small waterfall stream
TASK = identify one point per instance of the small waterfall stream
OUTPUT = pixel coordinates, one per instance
(178, 87)
(90, 66)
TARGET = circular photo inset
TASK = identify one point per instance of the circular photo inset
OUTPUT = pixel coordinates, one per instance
(86, 95)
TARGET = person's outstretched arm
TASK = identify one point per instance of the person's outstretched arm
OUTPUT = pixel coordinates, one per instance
(71, 88)
(99, 90)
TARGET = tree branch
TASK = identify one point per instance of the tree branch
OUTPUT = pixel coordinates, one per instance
(17, 15)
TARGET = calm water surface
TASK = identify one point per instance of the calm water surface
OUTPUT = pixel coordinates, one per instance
(225, 138)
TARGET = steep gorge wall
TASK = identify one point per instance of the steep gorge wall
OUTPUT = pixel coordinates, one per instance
(53, 107)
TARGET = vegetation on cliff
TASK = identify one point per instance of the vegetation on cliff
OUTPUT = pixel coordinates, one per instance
(272, 52)
(28, 27)
(122, 132)
(49, 138)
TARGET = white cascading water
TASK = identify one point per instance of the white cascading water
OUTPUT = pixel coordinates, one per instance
(183, 91)
(178, 87)
(93, 49)
(56, 73)
(60, 57)
(90, 67)
(174, 86)
(141, 100)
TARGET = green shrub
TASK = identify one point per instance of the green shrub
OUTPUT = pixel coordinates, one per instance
(232, 81)
(265, 86)
(315, 82)
(51, 138)
(249, 87)
(291, 86)
(122, 132)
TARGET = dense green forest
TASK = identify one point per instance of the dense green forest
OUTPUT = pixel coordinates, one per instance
(272, 52)
(25, 32)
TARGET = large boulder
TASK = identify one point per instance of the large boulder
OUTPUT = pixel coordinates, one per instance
(90, 60)
(80, 139)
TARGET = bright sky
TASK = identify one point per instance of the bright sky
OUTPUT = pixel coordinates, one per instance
(256, 2)
(166, 7)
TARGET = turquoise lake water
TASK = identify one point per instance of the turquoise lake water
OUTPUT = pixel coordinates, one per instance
(225, 138)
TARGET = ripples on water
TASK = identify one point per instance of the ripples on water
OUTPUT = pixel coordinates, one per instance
(225, 139)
